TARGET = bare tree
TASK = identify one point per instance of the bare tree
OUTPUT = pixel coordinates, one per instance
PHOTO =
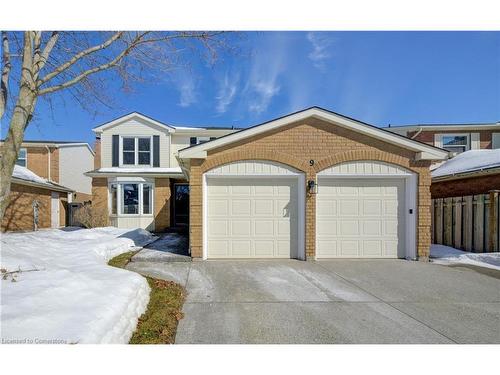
(39, 64)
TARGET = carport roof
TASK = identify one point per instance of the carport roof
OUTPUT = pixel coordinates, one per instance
(425, 151)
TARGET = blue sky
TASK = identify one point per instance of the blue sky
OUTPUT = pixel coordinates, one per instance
(377, 77)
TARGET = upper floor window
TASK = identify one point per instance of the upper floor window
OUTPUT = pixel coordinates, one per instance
(22, 158)
(456, 142)
(136, 150)
(197, 140)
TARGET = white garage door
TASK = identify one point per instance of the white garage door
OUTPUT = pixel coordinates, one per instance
(360, 218)
(251, 217)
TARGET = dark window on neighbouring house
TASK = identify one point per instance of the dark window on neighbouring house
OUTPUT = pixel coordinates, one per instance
(22, 157)
(212, 138)
(128, 150)
(192, 141)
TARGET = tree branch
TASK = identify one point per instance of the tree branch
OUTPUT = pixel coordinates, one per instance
(6, 67)
(46, 52)
(79, 56)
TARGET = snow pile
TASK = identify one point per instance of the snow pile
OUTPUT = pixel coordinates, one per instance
(25, 174)
(448, 255)
(469, 161)
(68, 294)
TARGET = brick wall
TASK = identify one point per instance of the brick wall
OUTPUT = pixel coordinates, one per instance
(465, 186)
(97, 150)
(427, 136)
(100, 194)
(295, 145)
(38, 162)
(162, 195)
(19, 213)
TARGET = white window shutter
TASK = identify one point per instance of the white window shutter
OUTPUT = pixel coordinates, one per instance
(475, 143)
(438, 140)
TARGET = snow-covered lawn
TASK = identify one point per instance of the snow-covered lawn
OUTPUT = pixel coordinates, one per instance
(448, 255)
(72, 296)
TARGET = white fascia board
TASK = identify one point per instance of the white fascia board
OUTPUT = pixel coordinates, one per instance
(77, 145)
(429, 152)
(461, 127)
(119, 120)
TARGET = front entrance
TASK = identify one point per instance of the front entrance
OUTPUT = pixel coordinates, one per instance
(181, 204)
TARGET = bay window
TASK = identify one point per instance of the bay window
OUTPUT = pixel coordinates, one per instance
(131, 198)
(136, 150)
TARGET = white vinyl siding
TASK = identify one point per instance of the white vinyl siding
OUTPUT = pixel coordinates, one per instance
(74, 161)
(135, 128)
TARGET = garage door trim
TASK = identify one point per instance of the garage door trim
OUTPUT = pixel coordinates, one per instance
(283, 171)
(372, 169)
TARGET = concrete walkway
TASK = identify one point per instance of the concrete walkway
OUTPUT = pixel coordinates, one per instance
(334, 302)
(170, 247)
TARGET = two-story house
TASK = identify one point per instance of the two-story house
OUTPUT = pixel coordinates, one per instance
(48, 175)
(137, 179)
(61, 162)
(311, 184)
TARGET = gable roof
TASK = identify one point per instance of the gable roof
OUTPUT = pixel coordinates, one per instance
(130, 116)
(425, 151)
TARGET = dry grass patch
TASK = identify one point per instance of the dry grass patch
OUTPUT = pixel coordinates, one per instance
(158, 324)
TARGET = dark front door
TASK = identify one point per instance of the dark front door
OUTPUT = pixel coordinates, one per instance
(181, 204)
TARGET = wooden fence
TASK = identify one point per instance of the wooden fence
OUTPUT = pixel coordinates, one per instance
(469, 223)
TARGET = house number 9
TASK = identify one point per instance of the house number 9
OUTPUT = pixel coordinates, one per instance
(311, 162)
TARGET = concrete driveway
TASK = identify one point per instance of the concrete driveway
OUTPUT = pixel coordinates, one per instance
(333, 302)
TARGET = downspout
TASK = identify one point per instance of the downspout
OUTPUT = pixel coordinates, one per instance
(417, 133)
(48, 155)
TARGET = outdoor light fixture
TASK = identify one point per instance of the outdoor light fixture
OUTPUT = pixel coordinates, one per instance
(312, 187)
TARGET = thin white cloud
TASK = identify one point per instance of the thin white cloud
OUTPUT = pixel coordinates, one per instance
(186, 85)
(320, 43)
(266, 67)
(227, 92)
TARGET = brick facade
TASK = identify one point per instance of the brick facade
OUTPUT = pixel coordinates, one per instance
(38, 162)
(465, 186)
(162, 195)
(97, 156)
(295, 145)
(100, 194)
(19, 213)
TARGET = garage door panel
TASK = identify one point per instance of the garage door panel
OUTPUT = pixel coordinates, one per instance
(240, 207)
(241, 228)
(262, 220)
(359, 217)
(264, 207)
(219, 228)
(349, 208)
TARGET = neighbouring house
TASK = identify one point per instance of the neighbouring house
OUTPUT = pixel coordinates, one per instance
(456, 138)
(32, 196)
(61, 162)
(470, 173)
(312, 184)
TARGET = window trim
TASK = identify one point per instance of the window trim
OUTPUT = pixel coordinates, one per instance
(119, 199)
(466, 135)
(136, 151)
(25, 157)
